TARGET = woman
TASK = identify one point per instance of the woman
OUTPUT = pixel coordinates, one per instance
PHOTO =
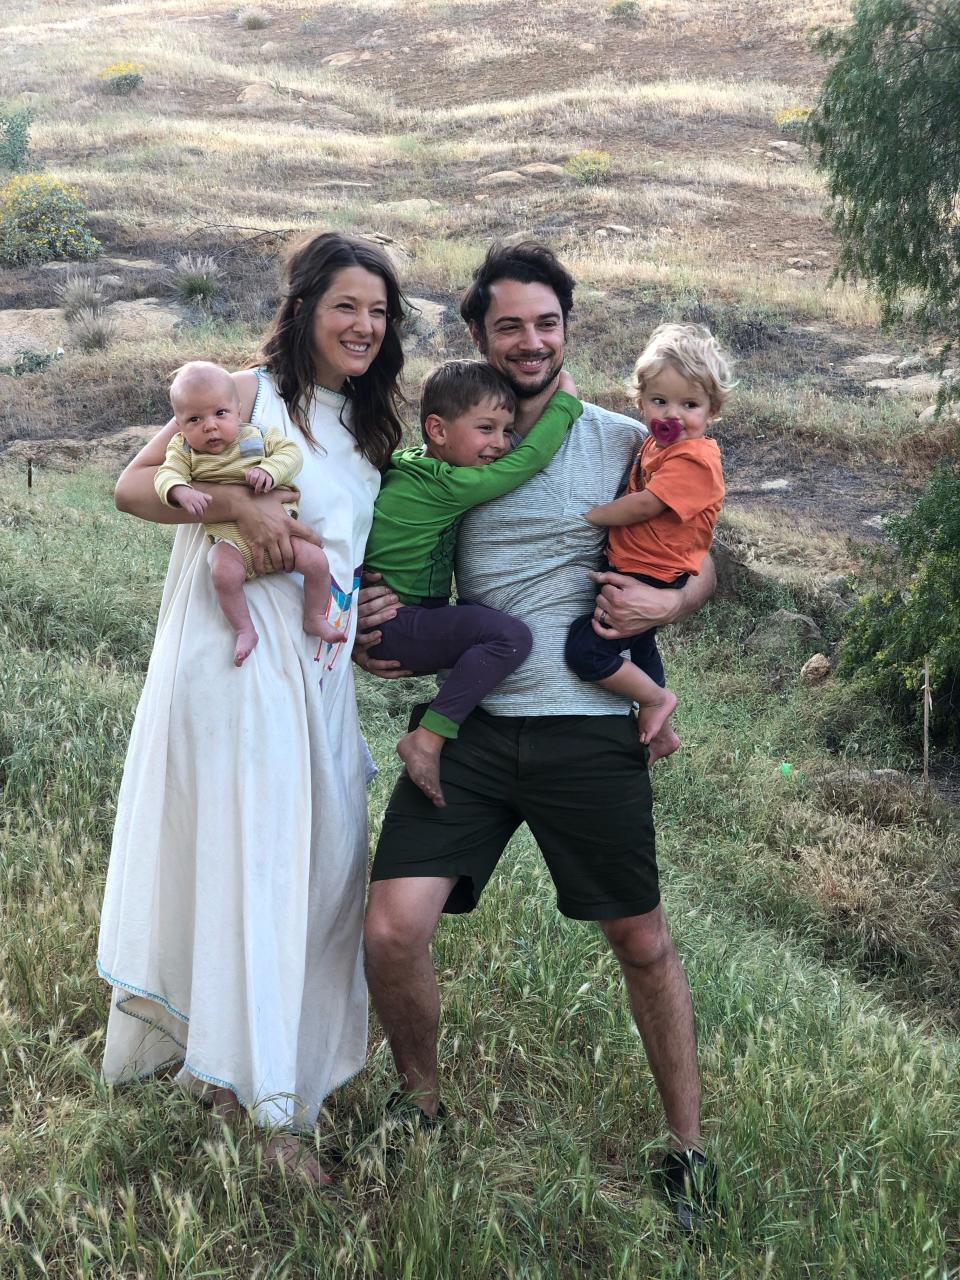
(231, 927)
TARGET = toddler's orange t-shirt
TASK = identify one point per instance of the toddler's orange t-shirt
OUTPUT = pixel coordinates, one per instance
(688, 478)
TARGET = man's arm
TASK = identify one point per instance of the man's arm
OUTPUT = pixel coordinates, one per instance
(632, 508)
(628, 607)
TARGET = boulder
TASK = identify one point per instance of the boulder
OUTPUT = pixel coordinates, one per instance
(793, 152)
(801, 264)
(413, 208)
(816, 669)
(617, 229)
(502, 178)
(424, 318)
(545, 172)
(919, 384)
(258, 93)
(783, 632)
(928, 417)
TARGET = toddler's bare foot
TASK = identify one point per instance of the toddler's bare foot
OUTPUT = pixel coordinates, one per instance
(319, 626)
(291, 1157)
(665, 743)
(246, 643)
(652, 716)
(420, 752)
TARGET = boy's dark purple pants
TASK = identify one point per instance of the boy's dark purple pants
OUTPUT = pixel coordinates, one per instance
(478, 646)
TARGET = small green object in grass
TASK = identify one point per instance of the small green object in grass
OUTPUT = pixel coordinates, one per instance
(786, 769)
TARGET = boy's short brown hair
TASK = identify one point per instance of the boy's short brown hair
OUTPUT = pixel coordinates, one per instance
(456, 386)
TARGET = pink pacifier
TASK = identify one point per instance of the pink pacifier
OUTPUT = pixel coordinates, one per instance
(666, 430)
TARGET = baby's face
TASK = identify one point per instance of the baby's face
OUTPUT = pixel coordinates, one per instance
(209, 417)
(669, 396)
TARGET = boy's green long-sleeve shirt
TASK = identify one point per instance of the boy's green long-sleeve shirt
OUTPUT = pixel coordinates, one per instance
(422, 501)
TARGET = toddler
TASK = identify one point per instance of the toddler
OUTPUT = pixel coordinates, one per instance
(662, 526)
(466, 415)
(214, 446)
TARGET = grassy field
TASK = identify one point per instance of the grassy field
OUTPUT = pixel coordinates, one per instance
(817, 912)
(816, 926)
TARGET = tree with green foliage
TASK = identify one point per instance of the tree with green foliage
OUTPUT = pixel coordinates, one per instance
(914, 615)
(888, 127)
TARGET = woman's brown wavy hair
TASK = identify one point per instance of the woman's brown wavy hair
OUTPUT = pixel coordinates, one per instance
(288, 354)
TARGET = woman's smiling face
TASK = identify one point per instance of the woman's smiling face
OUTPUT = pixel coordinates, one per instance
(349, 323)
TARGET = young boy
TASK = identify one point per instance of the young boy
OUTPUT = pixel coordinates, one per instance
(466, 413)
(213, 445)
(662, 527)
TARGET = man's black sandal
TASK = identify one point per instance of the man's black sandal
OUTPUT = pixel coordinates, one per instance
(688, 1181)
(401, 1109)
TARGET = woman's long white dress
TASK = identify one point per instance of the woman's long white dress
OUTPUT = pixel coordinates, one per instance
(231, 926)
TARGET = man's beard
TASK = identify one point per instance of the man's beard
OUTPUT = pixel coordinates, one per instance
(530, 390)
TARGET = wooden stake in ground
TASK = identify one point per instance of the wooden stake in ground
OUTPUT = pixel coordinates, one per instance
(927, 703)
(29, 473)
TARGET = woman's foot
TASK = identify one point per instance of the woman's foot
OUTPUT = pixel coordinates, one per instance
(420, 752)
(294, 1159)
(223, 1104)
(246, 643)
(653, 715)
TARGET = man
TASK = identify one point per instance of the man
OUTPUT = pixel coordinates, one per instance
(544, 748)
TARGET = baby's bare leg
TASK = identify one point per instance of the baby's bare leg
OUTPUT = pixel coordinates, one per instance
(312, 562)
(656, 704)
(229, 574)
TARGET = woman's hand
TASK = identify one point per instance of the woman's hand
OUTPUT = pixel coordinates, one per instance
(265, 525)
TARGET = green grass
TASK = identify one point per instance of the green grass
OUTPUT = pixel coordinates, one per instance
(833, 1112)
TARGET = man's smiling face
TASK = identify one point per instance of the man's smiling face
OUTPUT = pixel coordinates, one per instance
(523, 336)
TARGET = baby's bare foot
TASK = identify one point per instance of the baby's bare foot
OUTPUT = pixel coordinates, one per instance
(662, 744)
(420, 752)
(246, 643)
(652, 716)
(292, 1157)
(319, 626)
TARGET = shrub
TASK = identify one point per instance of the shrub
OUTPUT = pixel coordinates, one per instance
(42, 219)
(196, 278)
(121, 78)
(253, 19)
(92, 330)
(14, 139)
(792, 120)
(79, 292)
(26, 361)
(590, 168)
(624, 10)
(914, 614)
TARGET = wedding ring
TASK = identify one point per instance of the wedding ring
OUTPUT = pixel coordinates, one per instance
(603, 617)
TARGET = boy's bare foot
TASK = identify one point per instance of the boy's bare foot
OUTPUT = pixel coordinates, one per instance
(662, 744)
(652, 716)
(319, 626)
(246, 643)
(292, 1158)
(420, 752)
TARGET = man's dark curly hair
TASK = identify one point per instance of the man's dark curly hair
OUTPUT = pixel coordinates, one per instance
(527, 263)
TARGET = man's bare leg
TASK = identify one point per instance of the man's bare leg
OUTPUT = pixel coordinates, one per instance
(663, 1012)
(229, 574)
(401, 920)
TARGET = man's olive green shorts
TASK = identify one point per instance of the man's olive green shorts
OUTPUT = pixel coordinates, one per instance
(579, 782)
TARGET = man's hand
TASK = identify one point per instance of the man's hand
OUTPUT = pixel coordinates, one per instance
(626, 607)
(190, 499)
(376, 603)
(269, 530)
(260, 481)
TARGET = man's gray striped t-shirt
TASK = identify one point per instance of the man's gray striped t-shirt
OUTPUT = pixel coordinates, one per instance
(529, 552)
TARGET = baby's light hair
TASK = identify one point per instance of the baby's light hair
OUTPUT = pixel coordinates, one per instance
(693, 351)
(197, 373)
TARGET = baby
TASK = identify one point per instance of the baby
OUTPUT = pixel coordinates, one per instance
(214, 446)
(466, 414)
(662, 527)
